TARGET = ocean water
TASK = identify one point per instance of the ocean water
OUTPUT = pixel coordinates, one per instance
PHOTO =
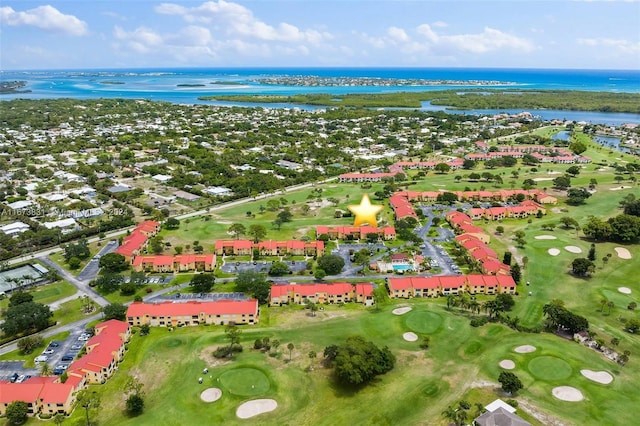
(185, 85)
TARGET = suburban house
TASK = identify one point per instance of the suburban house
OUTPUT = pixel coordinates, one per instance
(133, 243)
(174, 314)
(356, 232)
(49, 396)
(269, 248)
(408, 287)
(339, 292)
(499, 413)
(178, 263)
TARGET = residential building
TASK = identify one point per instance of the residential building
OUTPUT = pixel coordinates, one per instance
(409, 287)
(14, 228)
(133, 243)
(337, 292)
(269, 248)
(178, 263)
(356, 232)
(174, 314)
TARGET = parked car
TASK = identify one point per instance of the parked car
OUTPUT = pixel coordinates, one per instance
(54, 344)
(83, 338)
(58, 371)
(41, 358)
(67, 357)
(77, 346)
(14, 377)
(21, 378)
(48, 351)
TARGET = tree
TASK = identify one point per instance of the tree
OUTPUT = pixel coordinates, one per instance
(172, 223)
(285, 215)
(506, 259)
(258, 232)
(632, 208)
(17, 412)
(319, 274)
(573, 171)
(610, 305)
(582, 266)
(254, 283)
(468, 164)
(203, 283)
(29, 343)
(358, 361)
(312, 355)
(113, 263)
(115, 311)
(20, 297)
(362, 257)
(45, 369)
(109, 282)
(90, 401)
(58, 419)
(26, 317)
(145, 329)
(510, 382)
(568, 222)
(597, 229)
(592, 253)
(442, 168)
(625, 228)
(562, 182)
(519, 238)
(290, 347)
(380, 296)
(332, 264)
(278, 269)
(135, 401)
(632, 325)
(516, 273)
(237, 229)
(505, 301)
(233, 334)
(577, 147)
(577, 196)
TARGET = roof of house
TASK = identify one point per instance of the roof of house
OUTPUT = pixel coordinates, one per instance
(336, 288)
(55, 393)
(20, 392)
(498, 403)
(500, 417)
(219, 307)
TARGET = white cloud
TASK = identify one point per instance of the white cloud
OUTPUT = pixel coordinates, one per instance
(236, 20)
(47, 18)
(426, 39)
(619, 45)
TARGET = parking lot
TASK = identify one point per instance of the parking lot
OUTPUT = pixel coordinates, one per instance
(205, 297)
(68, 349)
(261, 266)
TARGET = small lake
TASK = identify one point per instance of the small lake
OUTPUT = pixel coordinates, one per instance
(606, 141)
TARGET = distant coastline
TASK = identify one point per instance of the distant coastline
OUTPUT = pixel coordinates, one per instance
(317, 81)
(11, 87)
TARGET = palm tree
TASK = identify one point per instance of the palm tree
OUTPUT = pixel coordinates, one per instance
(45, 369)
(474, 306)
(610, 305)
(603, 302)
(290, 347)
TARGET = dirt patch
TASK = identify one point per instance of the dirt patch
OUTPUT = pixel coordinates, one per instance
(410, 336)
(507, 364)
(553, 251)
(601, 377)
(525, 349)
(545, 237)
(567, 393)
(623, 253)
(401, 311)
(624, 290)
(257, 406)
(541, 179)
(573, 249)
(544, 418)
(211, 395)
(224, 222)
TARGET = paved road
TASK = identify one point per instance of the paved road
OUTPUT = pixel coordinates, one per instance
(80, 285)
(90, 271)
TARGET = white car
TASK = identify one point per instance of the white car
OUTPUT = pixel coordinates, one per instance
(21, 379)
(48, 351)
(41, 358)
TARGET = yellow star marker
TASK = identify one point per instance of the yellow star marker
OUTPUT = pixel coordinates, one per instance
(365, 212)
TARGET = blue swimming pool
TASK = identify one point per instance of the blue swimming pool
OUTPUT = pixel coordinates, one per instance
(402, 267)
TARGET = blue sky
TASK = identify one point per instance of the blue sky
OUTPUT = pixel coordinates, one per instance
(358, 33)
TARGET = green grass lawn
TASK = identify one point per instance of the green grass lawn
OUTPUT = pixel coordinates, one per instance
(47, 293)
(416, 391)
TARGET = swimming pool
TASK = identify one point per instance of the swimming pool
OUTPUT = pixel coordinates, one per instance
(402, 267)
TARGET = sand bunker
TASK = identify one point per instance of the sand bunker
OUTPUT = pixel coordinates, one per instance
(567, 393)
(573, 249)
(541, 179)
(255, 407)
(619, 188)
(553, 173)
(401, 311)
(601, 377)
(211, 394)
(525, 349)
(623, 253)
(553, 251)
(410, 336)
(545, 237)
(507, 364)
(624, 290)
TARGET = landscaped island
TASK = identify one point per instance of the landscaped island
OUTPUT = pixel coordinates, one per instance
(469, 99)
(9, 87)
(312, 80)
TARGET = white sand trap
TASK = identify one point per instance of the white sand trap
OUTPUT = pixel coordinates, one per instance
(401, 311)
(573, 249)
(553, 173)
(603, 169)
(507, 364)
(211, 394)
(410, 336)
(601, 377)
(545, 237)
(619, 188)
(224, 222)
(623, 253)
(541, 179)
(525, 349)
(624, 290)
(553, 251)
(255, 407)
(567, 393)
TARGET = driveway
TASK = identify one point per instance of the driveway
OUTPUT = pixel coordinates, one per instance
(90, 272)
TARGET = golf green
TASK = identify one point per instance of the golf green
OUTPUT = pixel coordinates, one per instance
(245, 381)
(423, 321)
(549, 368)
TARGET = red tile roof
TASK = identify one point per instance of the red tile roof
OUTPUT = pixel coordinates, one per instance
(220, 307)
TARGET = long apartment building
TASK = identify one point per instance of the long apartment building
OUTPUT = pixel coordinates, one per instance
(269, 248)
(356, 232)
(178, 263)
(408, 287)
(332, 293)
(173, 314)
(49, 396)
